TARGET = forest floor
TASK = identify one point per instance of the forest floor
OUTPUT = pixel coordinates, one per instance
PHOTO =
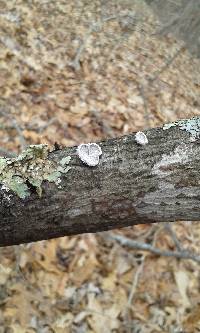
(82, 71)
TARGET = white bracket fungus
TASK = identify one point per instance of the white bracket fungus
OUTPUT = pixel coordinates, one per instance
(141, 138)
(89, 153)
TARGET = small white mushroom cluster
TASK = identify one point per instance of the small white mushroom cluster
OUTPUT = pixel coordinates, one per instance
(89, 153)
(141, 138)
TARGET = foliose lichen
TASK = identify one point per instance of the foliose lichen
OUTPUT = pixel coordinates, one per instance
(189, 125)
(31, 168)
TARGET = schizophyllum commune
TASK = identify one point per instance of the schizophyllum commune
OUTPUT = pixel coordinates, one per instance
(89, 153)
(141, 138)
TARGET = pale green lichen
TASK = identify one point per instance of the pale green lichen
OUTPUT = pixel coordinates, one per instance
(191, 126)
(33, 167)
(65, 160)
(17, 185)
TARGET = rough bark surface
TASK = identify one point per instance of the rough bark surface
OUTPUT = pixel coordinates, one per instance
(132, 184)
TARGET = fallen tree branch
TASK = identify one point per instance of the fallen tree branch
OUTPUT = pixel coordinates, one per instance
(16, 126)
(132, 184)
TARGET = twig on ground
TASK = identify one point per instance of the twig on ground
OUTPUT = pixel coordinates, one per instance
(48, 123)
(148, 247)
(171, 232)
(23, 143)
(104, 125)
(6, 153)
(16, 126)
(76, 62)
(135, 282)
(145, 103)
(92, 28)
(17, 251)
(143, 87)
(138, 273)
(165, 66)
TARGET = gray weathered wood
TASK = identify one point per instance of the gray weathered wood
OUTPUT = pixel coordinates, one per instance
(132, 184)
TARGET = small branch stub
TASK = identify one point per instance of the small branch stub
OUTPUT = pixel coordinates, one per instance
(141, 138)
(89, 153)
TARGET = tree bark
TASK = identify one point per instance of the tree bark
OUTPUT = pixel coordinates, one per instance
(132, 184)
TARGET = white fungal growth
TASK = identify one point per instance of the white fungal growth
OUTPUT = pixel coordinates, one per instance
(141, 138)
(89, 153)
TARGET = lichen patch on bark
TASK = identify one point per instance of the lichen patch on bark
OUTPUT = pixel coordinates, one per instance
(31, 168)
(181, 155)
(191, 126)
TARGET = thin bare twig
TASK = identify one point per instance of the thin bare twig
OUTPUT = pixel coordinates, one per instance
(171, 232)
(16, 126)
(153, 78)
(145, 103)
(148, 247)
(95, 26)
(76, 62)
(135, 281)
(136, 277)
(166, 65)
(48, 123)
(6, 153)
(23, 143)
